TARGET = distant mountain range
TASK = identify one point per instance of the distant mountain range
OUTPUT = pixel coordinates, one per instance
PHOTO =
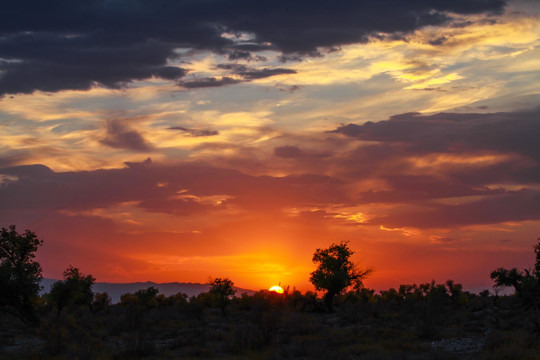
(115, 290)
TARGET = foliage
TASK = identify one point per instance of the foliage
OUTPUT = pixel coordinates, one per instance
(20, 274)
(537, 263)
(336, 272)
(391, 324)
(74, 291)
(394, 324)
(526, 283)
(222, 289)
(102, 301)
(147, 297)
(135, 320)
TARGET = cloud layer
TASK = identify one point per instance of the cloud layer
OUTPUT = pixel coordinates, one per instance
(73, 45)
(409, 160)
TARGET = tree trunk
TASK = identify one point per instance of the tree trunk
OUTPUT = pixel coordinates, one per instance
(329, 299)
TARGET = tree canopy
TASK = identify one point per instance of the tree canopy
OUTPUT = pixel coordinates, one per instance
(20, 274)
(222, 289)
(526, 283)
(74, 290)
(335, 271)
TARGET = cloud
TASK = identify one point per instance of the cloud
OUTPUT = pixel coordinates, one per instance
(163, 188)
(409, 171)
(78, 45)
(209, 82)
(53, 62)
(451, 132)
(510, 207)
(194, 132)
(241, 74)
(445, 170)
(290, 89)
(287, 151)
(244, 55)
(436, 239)
(120, 136)
(28, 171)
(414, 188)
(253, 74)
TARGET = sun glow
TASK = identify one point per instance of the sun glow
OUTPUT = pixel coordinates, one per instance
(277, 289)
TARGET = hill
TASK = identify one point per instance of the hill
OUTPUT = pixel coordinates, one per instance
(115, 290)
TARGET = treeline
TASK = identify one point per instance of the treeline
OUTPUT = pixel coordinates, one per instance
(146, 323)
(350, 320)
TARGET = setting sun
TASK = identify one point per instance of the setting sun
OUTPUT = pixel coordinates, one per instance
(277, 289)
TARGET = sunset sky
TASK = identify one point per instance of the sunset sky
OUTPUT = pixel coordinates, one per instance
(182, 140)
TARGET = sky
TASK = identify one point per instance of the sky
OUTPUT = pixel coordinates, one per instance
(182, 140)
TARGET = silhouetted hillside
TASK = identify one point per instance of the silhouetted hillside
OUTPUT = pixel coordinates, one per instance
(115, 290)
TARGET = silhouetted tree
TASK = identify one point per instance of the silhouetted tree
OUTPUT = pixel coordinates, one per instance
(336, 272)
(101, 302)
(180, 299)
(20, 274)
(148, 297)
(526, 283)
(222, 289)
(137, 307)
(74, 290)
(537, 264)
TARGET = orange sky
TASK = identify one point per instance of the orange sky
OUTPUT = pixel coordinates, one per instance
(191, 142)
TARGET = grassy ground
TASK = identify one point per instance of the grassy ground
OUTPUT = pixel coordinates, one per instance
(271, 328)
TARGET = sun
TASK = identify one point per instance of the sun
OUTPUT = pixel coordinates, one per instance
(277, 289)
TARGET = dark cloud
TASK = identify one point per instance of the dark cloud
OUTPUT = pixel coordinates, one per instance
(239, 55)
(288, 151)
(264, 73)
(446, 132)
(251, 74)
(195, 132)
(413, 188)
(14, 157)
(244, 55)
(430, 89)
(209, 82)
(28, 171)
(178, 189)
(291, 89)
(242, 73)
(68, 64)
(119, 135)
(475, 162)
(438, 41)
(76, 45)
(297, 57)
(136, 165)
(513, 206)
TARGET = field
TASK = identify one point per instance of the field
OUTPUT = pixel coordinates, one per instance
(429, 321)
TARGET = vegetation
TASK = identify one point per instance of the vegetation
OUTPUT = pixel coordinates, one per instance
(20, 274)
(526, 284)
(222, 289)
(74, 290)
(335, 271)
(414, 321)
